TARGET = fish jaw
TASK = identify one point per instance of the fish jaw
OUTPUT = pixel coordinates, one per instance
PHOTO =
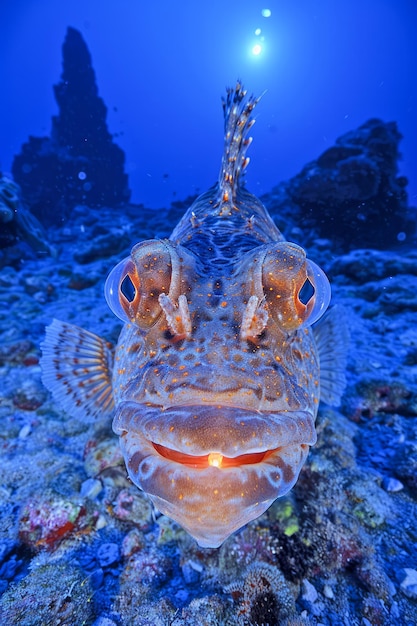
(212, 469)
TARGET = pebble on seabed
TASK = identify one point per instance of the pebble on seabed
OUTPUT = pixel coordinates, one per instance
(409, 582)
(391, 484)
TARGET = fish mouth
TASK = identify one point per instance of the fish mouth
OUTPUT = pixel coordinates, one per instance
(212, 468)
(213, 459)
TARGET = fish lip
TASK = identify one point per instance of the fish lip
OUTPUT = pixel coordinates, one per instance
(208, 501)
(198, 430)
(214, 459)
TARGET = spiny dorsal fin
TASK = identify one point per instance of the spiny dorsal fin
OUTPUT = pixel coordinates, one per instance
(237, 123)
(76, 368)
(332, 338)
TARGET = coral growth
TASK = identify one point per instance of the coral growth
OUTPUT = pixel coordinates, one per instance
(263, 596)
(78, 163)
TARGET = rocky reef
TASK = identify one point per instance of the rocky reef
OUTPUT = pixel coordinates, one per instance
(78, 163)
(9, 202)
(21, 234)
(352, 193)
(80, 544)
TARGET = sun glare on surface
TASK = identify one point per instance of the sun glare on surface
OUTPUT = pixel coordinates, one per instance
(256, 49)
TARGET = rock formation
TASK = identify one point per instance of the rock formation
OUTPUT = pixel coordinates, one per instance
(78, 163)
(21, 234)
(352, 193)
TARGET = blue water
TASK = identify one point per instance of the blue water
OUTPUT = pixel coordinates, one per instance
(161, 67)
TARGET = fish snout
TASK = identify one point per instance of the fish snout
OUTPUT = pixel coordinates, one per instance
(212, 469)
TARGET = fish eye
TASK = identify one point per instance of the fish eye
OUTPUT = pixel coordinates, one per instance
(306, 292)
(319, 300)
(128, 289)
(119, 289)
(134, 286)
(296, 290)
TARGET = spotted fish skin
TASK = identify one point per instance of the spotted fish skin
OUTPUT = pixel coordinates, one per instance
(216, 376)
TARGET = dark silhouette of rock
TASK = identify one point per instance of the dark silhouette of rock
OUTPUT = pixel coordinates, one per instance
(9, 201)
(21, 234)
(78, 163)
(352, 193)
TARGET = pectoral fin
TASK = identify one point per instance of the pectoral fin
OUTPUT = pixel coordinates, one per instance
(76, 368)
(332, 338)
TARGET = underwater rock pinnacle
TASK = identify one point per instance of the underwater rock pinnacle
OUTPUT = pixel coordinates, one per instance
(78, 163)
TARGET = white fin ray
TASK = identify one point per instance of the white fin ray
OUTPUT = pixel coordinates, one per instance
(332, 339)
(76, 368)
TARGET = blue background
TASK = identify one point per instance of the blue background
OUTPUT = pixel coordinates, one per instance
(161, 67)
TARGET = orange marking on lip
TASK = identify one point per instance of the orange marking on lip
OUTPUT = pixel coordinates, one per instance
(210, 460)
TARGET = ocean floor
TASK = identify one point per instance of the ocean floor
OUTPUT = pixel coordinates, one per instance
(79, 544)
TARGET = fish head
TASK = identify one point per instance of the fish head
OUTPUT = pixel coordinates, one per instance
(216, 379)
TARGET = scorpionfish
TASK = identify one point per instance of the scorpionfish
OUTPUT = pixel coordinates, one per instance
(216, 378)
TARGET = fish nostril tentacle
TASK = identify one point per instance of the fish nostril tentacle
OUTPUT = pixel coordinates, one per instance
(177, 315)
(254, 319)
